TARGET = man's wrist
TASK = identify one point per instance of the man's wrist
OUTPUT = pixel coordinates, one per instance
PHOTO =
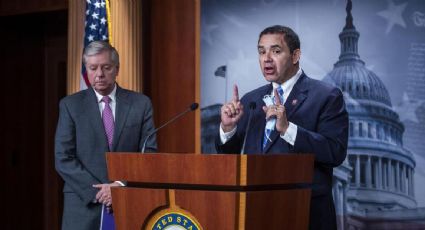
(227, 128)
(284, 129)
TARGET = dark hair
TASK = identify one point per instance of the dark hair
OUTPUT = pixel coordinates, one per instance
(290, 37)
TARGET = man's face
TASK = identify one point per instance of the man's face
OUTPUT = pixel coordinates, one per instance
(276, 61)
(101, 72)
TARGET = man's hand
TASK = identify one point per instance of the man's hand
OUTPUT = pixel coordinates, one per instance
(279, 112)
(104, 194)
(231, 112)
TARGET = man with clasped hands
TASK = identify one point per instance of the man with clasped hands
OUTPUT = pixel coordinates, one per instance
(100, 119)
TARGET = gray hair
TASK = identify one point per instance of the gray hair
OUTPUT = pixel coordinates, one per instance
(98, 47)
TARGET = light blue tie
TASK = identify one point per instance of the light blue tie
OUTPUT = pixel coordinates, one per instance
(270, 125)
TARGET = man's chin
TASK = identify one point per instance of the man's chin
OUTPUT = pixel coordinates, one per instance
(270, 78)
(102, 90)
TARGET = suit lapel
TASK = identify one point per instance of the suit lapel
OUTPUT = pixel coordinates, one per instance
(93, 115)
(273, 136)
(121, 111)
(294, 101)
(297, 96)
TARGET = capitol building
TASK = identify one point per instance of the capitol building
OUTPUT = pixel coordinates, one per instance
(374, 187)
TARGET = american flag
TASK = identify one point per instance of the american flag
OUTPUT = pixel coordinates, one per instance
(96, 28)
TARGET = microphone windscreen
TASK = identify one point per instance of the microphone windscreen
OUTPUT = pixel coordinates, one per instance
(194, 106)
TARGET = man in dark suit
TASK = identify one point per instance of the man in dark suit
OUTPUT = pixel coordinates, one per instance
(294, 114)
(103, 118)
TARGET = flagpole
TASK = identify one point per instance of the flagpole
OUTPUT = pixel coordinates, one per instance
(225, 88)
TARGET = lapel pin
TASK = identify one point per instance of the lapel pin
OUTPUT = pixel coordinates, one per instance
(294, 102)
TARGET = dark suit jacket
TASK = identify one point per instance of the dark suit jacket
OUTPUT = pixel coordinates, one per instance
(81, 143)
(318, 110)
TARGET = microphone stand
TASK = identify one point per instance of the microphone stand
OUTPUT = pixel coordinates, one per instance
(252, 106)
(191, 108)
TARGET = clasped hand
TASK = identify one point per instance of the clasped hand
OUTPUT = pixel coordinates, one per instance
(104, 194)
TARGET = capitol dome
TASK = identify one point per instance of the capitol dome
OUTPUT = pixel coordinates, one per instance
(350, 73)
(359, 82)
(380, 170)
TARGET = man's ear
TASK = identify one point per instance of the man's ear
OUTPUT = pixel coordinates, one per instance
(296, 56)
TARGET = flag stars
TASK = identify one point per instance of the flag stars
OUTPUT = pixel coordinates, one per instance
(95, 15)
(394, 15)
(96, 21)
(93, 27)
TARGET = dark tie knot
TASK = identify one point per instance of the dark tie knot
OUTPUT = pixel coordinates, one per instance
(106, 99)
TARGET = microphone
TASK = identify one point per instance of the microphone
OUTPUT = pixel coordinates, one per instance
(252, 107)
(191, 108)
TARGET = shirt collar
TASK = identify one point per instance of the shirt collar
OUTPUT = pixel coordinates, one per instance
(289, 84)
(112, 95)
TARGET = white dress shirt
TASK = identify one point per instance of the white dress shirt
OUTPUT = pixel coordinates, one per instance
(112, 104)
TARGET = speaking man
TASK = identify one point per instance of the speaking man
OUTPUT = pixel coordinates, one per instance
(293, 114)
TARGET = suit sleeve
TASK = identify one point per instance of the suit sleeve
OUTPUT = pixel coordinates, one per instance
(147, 128)
(233, 145)
(329, 142)
(67, 163)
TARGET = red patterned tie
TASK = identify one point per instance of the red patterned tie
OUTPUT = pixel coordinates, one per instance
(108, 121)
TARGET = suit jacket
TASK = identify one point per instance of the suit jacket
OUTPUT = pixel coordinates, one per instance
(81, 143)
(318, 110)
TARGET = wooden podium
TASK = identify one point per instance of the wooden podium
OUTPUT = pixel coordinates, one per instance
(219, 191)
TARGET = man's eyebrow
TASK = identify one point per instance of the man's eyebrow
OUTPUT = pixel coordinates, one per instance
(271, 47)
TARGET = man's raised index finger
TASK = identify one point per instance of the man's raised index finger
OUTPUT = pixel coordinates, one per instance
(277, 97)
(235, 93)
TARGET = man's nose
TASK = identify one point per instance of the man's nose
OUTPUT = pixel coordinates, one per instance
(99, 72)
(267, 57)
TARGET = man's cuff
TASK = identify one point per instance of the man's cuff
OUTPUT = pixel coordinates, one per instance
(120, 182)
(291, 134)
(224, 137)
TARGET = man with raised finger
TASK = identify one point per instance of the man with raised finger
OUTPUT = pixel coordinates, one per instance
(293, 114)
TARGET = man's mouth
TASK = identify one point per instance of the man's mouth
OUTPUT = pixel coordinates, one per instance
(100, 83)
(269, 70)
